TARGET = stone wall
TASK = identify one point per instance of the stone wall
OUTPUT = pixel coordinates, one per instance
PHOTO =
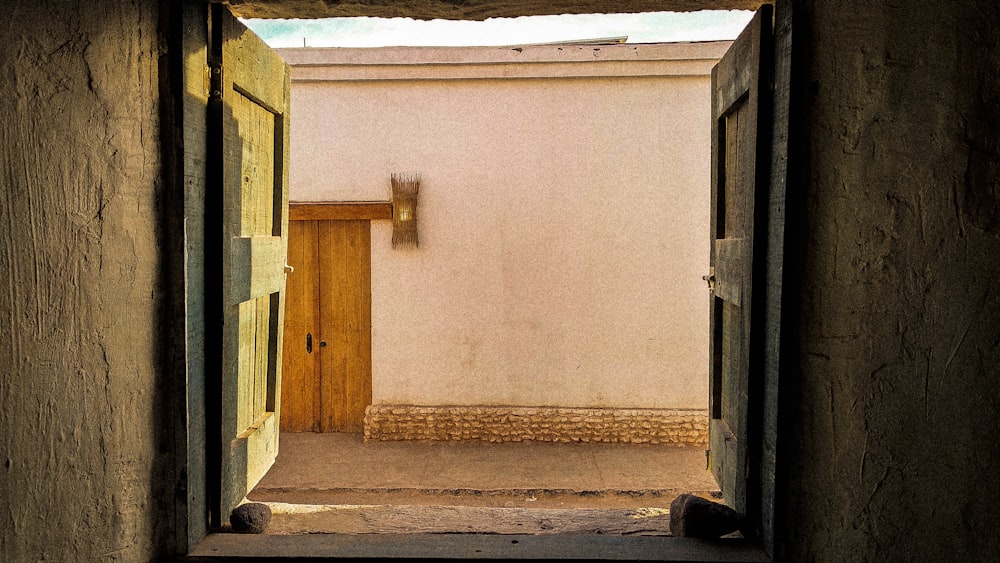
(540, 424)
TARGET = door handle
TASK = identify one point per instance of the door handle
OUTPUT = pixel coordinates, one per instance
(710, 278)
(309, 343)
(322, 343)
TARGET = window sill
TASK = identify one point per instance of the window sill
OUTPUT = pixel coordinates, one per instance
(474, 546)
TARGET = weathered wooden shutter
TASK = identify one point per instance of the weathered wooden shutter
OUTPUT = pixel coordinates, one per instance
(248, 152)
(740, 168)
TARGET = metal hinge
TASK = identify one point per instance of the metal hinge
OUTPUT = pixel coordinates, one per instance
(215, 82)
(708, 459)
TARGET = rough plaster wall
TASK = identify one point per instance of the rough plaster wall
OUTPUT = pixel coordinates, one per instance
(84, 458)
(896, 454)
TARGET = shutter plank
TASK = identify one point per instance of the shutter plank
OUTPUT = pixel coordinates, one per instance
(258, 267)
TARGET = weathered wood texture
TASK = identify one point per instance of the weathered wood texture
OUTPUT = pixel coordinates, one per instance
(778, 330)
(249, 105)
(328, 325)
(194, 108)
(739, 171)
(300, 398)
(340, 211)
(345, 324)
(470, 10)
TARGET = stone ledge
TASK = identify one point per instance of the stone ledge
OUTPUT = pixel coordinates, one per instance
(681, 427)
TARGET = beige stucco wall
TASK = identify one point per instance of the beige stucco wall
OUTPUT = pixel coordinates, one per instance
(564, 212)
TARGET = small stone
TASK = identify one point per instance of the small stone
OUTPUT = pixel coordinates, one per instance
(250, 518)
(692, 516)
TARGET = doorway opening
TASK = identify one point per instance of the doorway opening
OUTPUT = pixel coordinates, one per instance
(407, 467)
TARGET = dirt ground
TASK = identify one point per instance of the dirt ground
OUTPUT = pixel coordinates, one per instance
(340, 484)
(403, 512)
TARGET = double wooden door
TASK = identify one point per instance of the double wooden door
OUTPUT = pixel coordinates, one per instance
(327, 356)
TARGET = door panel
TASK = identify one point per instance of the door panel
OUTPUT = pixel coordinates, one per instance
(345, 324)
(300, 401)
(328, 388)
(248, 125)
(740, 97)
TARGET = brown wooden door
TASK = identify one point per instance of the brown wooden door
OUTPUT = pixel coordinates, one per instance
(740, 96)
(248, 132)
(328, 327)
(300, 395)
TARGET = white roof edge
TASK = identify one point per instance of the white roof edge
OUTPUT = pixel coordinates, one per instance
(539, 53)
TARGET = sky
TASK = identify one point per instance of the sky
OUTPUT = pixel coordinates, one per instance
(654, 27)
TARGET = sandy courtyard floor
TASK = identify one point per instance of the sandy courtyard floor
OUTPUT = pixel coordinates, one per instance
(338, 483)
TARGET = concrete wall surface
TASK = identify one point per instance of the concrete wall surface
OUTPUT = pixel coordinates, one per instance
(86, 450)
(563, 216)
(897, 407)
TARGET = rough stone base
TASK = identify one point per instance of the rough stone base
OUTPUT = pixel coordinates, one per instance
(542, 424)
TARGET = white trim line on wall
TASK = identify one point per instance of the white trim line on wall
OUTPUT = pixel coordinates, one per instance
(535, 61)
